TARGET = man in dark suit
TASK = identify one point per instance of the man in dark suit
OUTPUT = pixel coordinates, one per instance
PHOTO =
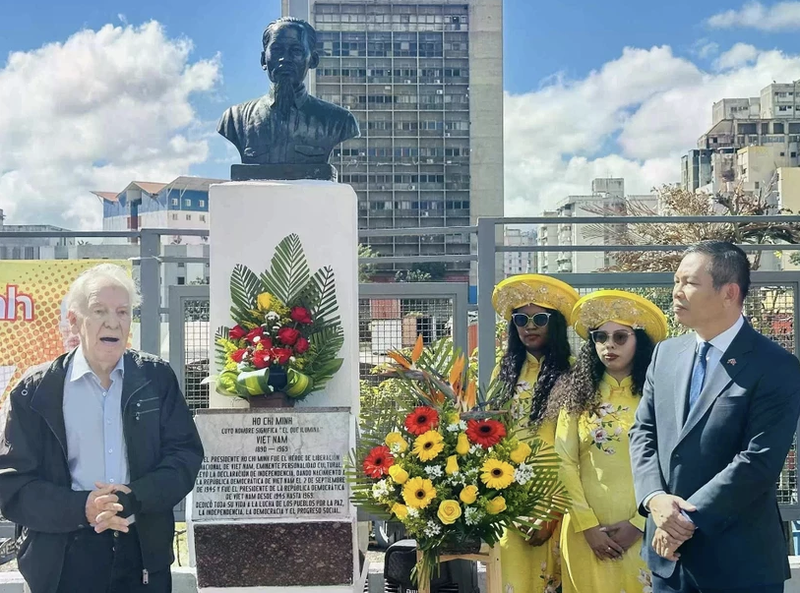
(717, 417)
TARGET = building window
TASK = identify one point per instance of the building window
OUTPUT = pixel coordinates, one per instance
(181, 280)
(202, 203)
(174, 217)
(188, 217)
(793, 155)
(30, 253)
(175, 201)
(187, 202)
(202, 218)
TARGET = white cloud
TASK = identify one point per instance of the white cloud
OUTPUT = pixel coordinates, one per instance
(632, 118)
(705, 49)
(93, 113)
(739, 55)
(783, 16)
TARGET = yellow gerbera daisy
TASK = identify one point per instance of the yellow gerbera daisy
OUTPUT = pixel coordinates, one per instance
(497, 474)
(418, 493)
(428, 445)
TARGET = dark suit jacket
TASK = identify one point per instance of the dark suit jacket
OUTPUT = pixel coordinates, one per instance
(164, 457)
(724, 459)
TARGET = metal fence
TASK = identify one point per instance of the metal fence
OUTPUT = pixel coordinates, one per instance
(391, 316)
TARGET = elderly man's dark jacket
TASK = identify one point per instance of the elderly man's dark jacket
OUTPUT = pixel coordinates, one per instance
(164, 457)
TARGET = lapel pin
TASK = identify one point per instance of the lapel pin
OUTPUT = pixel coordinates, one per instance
(732, 362)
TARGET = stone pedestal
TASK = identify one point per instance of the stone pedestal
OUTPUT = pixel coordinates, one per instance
(270, 511)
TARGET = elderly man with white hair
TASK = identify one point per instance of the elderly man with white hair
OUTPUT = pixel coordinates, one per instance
(99, 447)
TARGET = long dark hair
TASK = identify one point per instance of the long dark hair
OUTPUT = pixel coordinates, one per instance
(555, 362)
(576, 391)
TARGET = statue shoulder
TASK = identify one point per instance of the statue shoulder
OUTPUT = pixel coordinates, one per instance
(330, 110)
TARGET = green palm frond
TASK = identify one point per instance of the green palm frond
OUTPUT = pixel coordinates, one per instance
(320, 296)
(245, 287)
(327, 342)
(288, 274)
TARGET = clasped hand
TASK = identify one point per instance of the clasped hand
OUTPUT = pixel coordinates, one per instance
(103, 506)
(612, 541)
(673, 528)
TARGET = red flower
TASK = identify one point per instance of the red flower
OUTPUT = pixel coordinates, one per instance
(421, 420)
(378, 462)
(301, 346)
(253, 334)
(288, 335)
(237, 332)
(486, 433)
(300, 315)
(282, 355)
(238, 355)
(262, 358)
(266, 342)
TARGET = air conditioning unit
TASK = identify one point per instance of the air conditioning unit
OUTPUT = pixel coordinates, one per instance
(407, 82)
(439, 92)
(437, 81)
(430, 161)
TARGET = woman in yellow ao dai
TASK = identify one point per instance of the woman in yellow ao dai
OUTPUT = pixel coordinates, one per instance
(537, 354)
(601, 535)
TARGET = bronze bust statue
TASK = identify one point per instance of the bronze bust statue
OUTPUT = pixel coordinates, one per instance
(288, 126)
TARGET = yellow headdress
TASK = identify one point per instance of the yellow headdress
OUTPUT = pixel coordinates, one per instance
(621, 307)
(533, 289)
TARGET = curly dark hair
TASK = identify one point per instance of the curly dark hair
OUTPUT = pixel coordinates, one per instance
(555, 362)
(576, 391)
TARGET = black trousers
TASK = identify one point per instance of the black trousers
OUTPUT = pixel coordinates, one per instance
(108, 562)
(682, 582)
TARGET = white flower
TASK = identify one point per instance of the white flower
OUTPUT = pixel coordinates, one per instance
(523, 474)
(611, 451)
(395, 447)
(474, 449)
(292, 359)
(276, 328)
(453, 428)
(273, 316)
(432, 529)
(434, 471)
(618, 431)
(544, 566)
(381, 489)
(413, 513)
(600, 435)
(605, 409)
(473, 515)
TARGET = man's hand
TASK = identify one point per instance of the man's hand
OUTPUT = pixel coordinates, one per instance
(665, 545)
(666, 512)
(108, 518)
(624, 533)
(102, 500)
(602, 545)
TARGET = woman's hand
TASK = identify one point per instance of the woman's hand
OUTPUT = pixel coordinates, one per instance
(602, 545)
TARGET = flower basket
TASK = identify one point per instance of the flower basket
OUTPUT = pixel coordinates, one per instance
(453, 464)
(288, 333)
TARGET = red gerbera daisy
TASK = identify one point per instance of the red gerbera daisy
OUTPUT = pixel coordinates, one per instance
(486, 433)
(421, 420)
(378, 462)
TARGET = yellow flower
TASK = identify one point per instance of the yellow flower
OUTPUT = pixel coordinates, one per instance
(496, 505)
(454, 418)
(400, 510)
(265, 301)
(462, 447)
(469, 494)
(398, 474)
(452, 465)
(418, 493)
(497, 474)
(449, 511)
(428, 445)
(521, 453)
(396, 442)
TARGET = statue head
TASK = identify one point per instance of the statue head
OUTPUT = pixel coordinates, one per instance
(290, 51)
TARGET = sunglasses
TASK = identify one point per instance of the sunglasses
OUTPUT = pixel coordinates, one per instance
(539, 319)
(620, 336)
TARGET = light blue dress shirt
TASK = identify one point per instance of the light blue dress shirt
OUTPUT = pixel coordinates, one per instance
(93, 420)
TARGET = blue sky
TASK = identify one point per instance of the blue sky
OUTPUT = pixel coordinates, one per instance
(570, 82)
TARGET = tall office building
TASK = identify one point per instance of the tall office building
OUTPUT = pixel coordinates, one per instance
(424, 78)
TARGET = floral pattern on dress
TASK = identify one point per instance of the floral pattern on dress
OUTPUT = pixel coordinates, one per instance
(606, 426)
(646, 579)
(551, 582)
